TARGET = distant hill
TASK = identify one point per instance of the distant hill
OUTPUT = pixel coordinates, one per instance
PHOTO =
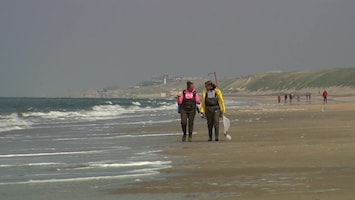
(279, 81)
(339, 80)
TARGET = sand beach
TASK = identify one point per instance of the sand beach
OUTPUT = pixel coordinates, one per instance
(298, 151)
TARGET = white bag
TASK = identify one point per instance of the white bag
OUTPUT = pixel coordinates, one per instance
(226, 125)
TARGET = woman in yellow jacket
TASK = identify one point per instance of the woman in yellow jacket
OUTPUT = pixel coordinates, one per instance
(212, 105)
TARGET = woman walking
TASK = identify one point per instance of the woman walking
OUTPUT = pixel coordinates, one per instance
(188, 101)
(212, 105)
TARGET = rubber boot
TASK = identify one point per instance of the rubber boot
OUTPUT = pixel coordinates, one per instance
(216, 132)
(184, 137)
(190, 137)
(210, 134)
(184, 131)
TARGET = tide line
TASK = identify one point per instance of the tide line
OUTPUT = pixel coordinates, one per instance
(81, 179)
(51, 154)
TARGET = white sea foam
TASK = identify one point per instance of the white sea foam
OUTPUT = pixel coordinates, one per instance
(131, 164)
(149, 173)
(150, 168)
(13, 122)
(96, 113)
(115, 137)
(136, 103)
(152, 165)
(43, 164)
(33, 164)
(108, 111)
(108, 102)
(147, 170)
(149, 152)
(51, 154)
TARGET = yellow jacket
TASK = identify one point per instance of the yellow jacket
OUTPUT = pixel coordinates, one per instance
(220, 100)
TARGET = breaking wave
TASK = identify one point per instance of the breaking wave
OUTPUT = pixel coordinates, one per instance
(63, 114)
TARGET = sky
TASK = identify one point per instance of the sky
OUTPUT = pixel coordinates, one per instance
(52, 47)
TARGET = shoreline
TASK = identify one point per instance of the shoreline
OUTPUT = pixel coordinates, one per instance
(277, 152)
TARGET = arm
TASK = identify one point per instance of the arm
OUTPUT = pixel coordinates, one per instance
(180, 98)
(197, 98)
(221, 100)
(203, 105)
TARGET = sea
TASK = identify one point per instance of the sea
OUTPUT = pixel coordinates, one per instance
(80, 148)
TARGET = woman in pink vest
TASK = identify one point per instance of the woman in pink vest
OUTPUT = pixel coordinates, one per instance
(188, 100)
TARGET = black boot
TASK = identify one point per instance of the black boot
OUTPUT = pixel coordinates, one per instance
(190, 137)
(184, 131)
(216, 132)
(184, 138)
(209, 134)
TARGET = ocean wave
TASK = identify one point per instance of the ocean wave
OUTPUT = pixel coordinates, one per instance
(29, 119)
(108, 102)
(96, 112)
(65, 112)
(136, 103)
(13, 122)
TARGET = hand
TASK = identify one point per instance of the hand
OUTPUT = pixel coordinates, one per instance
(221, 114)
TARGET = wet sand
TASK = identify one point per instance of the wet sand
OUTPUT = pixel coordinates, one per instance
(304, 151)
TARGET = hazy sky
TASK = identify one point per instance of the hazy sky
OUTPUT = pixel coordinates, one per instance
(48, 47)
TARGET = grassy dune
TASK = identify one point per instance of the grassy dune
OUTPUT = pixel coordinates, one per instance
(278, 81)
(342, 80)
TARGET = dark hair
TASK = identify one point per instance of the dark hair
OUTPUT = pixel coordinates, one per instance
(208, 83)
(189, 83)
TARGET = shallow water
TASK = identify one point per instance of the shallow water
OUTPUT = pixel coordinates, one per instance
(77, 149)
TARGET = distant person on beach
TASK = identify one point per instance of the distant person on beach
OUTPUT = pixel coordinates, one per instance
(309, 97)
(285, 98)
(279, 99)
(291, 96)
(188, 99)
(212, 106)
(325, 94)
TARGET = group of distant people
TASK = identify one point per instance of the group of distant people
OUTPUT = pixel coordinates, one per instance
(308, 97)
(290, 97)
(212, 108)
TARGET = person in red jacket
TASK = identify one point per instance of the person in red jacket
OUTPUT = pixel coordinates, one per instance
(325, 94)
